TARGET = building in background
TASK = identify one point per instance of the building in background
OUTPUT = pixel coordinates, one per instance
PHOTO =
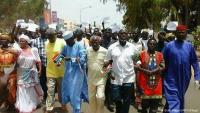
(69, 25)
(60, 23)
(47, 16)
(54, 16)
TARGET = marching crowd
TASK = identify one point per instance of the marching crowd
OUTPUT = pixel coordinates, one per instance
(103, 68)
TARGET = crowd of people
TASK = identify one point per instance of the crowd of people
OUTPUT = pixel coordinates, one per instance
(102, 68)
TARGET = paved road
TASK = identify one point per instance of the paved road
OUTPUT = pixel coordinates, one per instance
(192, 102)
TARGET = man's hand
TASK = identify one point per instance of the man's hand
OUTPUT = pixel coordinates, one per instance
(67, 58)
(147, 72)
(197, 84)
(155, 71)
(78, 59)
(39, 73)
(58, 64)
(106, 63)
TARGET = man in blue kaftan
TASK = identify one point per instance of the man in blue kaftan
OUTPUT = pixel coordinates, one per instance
(74, 84)
(179, 56)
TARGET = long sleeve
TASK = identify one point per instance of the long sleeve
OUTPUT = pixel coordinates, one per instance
(82, 54)
(165, 56)
(64, 50)
(195, 64)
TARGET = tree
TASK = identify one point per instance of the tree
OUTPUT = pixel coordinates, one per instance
(144, 13)
(147, 13)
(11, 10)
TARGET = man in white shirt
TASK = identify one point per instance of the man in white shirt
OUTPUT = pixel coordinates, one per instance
(121, 54)
(144, 38)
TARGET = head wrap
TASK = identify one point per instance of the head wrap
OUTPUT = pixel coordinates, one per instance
(181, 28)
(5, 37)
(67, 35)
(25, 37)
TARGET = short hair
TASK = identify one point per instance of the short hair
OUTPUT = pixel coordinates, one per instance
(95, 37)
(108, 30)
(151, 40)
(51, 31)
(78, 31)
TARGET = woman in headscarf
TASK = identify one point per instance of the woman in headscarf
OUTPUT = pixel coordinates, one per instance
(29, 92)
(7, 73)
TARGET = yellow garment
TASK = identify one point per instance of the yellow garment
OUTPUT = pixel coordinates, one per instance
(52, 70)
(95, 65)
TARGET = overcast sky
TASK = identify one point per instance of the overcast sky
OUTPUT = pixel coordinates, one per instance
(70, 9)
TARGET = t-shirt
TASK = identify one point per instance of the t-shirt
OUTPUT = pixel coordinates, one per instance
(52, 49)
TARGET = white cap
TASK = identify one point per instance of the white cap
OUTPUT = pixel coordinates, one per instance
(67, 35)
(171, 26)
(32, 27)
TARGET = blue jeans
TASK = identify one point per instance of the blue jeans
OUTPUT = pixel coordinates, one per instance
(122, 96)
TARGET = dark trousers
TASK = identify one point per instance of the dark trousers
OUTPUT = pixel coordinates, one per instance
(122, 96)
(150, 105)
(108, 94)
(43, 81)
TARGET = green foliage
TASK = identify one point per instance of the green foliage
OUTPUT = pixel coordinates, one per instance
(144, 13)
(11, 10)
(196, 42)
(147, 13)
(197, 31)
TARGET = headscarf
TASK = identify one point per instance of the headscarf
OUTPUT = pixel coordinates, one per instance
(5, 37)
(25, 37)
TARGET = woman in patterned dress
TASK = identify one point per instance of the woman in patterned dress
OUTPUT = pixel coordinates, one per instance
(150, 66)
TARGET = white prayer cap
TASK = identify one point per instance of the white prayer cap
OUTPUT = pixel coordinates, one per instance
(67, 35)
(144, 30)
(25, 37)
(171, 26)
